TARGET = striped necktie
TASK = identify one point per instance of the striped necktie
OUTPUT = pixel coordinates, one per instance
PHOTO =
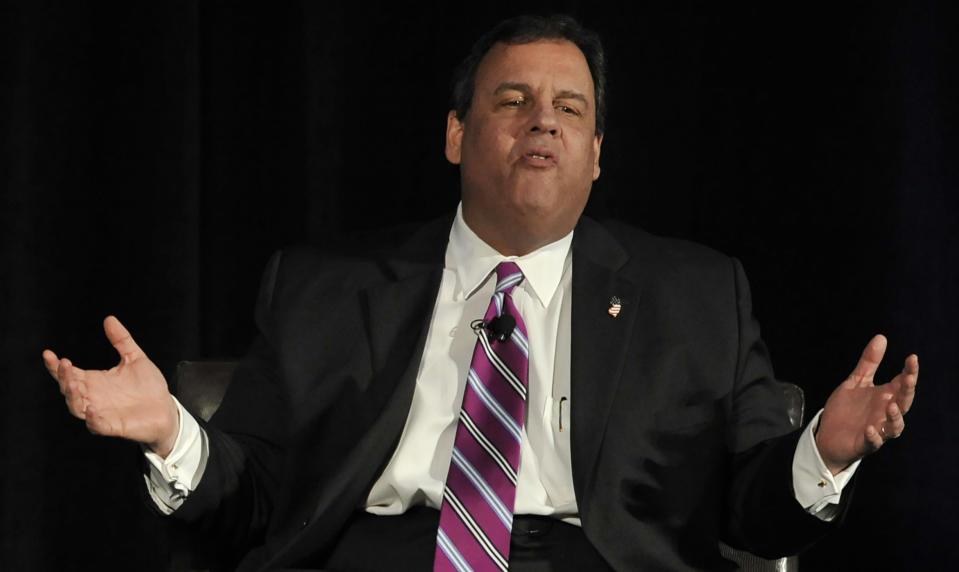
(477, 513)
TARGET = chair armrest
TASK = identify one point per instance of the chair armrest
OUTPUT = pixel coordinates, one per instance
(200, 385)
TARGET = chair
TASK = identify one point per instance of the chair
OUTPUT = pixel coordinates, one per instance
(795, 408)
(200, 386)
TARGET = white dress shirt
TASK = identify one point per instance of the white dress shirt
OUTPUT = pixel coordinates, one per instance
(417, 471)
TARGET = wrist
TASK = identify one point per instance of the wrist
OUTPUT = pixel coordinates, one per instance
(164, 446)
(835, 467)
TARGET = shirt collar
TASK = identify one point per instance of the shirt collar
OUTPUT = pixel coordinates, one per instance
(473, 260)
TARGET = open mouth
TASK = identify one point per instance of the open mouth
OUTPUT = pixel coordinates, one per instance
(540, 155)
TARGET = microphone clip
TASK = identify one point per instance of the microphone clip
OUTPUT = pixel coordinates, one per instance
(500, 328)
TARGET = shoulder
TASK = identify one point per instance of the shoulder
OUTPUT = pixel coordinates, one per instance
(645, 253)
(355, 261)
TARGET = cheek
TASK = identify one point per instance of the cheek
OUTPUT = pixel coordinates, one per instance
(590, 165)
(487, 148)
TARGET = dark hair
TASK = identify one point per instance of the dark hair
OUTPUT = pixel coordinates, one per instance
(525, 30)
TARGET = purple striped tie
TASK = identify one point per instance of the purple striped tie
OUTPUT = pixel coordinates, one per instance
(477, 513)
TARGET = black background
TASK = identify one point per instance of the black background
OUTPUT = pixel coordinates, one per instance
(155, 154)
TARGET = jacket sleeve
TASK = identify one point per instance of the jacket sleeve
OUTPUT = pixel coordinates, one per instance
(763, 514)
(231, 507)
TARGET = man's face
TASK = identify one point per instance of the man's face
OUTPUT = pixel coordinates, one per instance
(527, 149)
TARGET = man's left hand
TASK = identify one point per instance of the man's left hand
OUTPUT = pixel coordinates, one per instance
(859, 415)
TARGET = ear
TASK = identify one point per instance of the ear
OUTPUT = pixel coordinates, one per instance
(454, 138)
(597, 144)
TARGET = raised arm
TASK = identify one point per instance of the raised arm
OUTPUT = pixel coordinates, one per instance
(130, 400)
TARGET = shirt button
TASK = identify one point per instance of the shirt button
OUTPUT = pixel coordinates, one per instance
(453, 332)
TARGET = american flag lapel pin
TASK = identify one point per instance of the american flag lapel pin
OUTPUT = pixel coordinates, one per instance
(615, 306)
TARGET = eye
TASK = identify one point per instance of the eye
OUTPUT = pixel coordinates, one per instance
(514, 102)
(568, 110)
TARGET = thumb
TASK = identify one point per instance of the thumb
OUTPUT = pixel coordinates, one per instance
(869, 362)
(121, 339)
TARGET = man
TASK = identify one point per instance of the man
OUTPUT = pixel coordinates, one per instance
(649, 425)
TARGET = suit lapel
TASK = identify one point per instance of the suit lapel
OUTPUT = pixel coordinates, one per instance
(397, 321)
(399, 311)
(397, 314)
(599, 343)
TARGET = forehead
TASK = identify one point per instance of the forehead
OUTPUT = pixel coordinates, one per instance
(558, 64)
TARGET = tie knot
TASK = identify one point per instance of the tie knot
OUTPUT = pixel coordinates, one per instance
(508, 276)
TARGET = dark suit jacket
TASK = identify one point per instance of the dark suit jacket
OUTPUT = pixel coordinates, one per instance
(679, 434)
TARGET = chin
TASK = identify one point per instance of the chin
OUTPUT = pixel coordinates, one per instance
(537, 198)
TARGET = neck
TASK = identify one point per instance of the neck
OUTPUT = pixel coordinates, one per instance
(514, 241)
(517, 236)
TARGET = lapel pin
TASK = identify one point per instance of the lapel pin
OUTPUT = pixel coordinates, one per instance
(615, 305)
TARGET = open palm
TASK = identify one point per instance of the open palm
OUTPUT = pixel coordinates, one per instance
(130, 400)
(860, 416)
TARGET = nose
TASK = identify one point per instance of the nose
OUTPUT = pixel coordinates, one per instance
(544, 120)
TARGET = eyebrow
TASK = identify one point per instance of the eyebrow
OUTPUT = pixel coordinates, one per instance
(526, 88)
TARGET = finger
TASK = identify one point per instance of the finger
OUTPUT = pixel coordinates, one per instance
(121, 339)
(65, 375)
(873, 438)
(72, 387)
(869, 361)
(96, 423)
(912, 365)
(894, 424)
(907, 381)
(51, 362)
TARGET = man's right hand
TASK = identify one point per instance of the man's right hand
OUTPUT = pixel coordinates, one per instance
(130, 400)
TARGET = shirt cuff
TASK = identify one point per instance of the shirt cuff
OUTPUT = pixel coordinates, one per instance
(815, 487)
(170, 480)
